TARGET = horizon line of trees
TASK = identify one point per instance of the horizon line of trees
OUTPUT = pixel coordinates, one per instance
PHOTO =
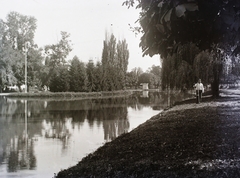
(89, 77)
(48, 66)
(107, 75)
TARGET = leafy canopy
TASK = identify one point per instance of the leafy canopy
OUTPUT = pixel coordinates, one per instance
(167, 24)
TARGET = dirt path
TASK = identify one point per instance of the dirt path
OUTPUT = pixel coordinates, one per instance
(188, 140)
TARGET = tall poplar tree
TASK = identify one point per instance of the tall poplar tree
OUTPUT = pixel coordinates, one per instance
(114, 63)
(109, 63)
(122, 60)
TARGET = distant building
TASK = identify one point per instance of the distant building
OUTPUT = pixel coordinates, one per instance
(144, 86)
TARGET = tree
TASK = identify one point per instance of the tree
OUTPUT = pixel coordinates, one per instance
(55, 56)
(45, 75)
(153, 83)
(91, 74)
(83, 79)
(8, 58)
(233, 68)
(122, 57)
(60, 80)
(156, 71)
(35, 66)
(167, 25)
(144, 78)
(114, 62)
(15, 33)
(20, 29)
(99, 77)
(74, 74)
(150, 78)
(131, 80)
(56, 53)
(108, 61)
(133, 77)
(78, 76)
(176, 71)
(203, 67)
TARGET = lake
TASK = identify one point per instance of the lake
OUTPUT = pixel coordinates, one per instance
(39, 137)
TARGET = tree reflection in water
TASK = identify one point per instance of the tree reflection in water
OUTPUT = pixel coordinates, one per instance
(111, 113)
(20, 155)
(18, 151)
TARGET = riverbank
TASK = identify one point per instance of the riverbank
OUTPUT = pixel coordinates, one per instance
(187, 140)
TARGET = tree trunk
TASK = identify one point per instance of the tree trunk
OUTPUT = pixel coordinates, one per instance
(215, 86)
(215, 90)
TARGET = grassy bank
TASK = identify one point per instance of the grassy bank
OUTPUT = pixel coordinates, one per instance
(188, 140)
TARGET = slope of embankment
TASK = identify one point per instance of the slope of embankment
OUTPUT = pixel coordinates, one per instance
(188, 140)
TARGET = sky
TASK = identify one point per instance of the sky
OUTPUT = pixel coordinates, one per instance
(87, 22)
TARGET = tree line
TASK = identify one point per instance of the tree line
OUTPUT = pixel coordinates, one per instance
(48, 66)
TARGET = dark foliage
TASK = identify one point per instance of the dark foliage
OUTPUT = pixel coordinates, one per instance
(168, 24)
(60, 80)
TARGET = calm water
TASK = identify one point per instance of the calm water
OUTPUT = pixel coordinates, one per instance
(40, 137)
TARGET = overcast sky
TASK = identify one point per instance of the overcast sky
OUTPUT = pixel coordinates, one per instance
(87, 22)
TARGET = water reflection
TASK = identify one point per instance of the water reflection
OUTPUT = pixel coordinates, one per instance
(157, 100)
(32, 130)
(20, 155)
(111, 113)
(16, 149)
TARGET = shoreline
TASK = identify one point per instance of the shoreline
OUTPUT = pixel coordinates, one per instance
(184, 141)
(68, 95)
(60, 96)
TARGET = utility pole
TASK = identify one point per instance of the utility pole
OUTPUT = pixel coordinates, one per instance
(26, 53)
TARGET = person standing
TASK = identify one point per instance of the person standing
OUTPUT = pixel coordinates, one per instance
(199, 90)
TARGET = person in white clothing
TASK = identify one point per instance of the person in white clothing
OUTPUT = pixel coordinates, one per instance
(199, 90)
